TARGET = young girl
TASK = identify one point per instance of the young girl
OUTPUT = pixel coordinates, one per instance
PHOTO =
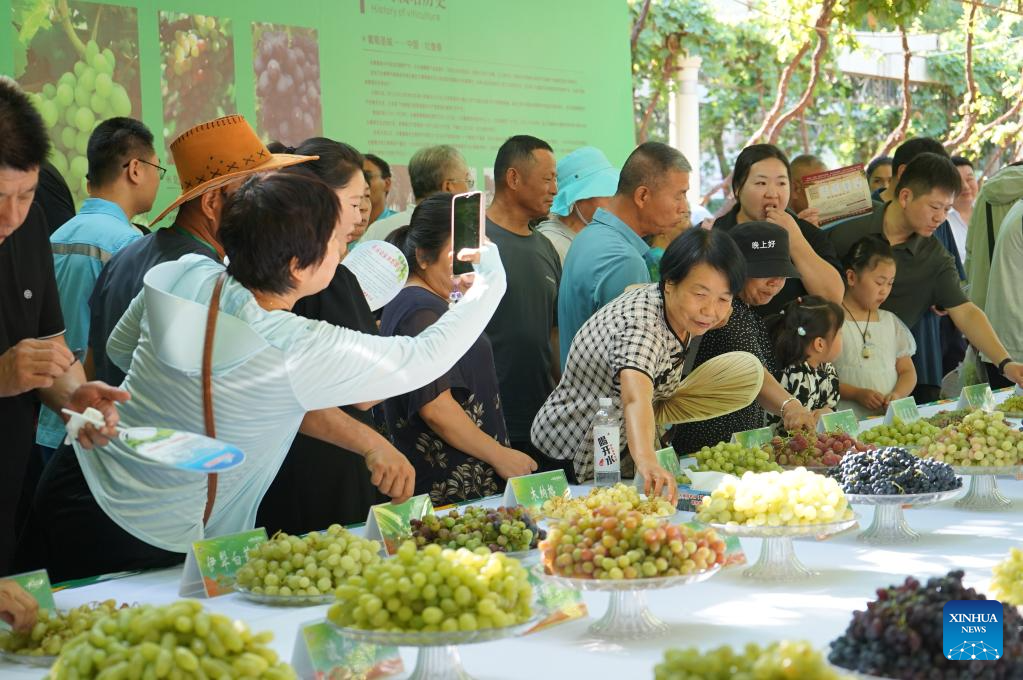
(876, 362)
(807, 338)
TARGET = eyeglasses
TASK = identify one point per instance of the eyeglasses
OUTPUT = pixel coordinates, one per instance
(469, 181)
(159, 168)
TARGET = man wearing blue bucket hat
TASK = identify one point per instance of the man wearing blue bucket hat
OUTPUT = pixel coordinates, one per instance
(586, 181)
(608, 256)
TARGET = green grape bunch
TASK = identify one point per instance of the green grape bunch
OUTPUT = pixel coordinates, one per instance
(784, 660)
(72, 108)
(53, 629)
(306, 566)
(179, 640)
(900, 433)
(435, 589)
(790, 498)
(734, 459)
(982, 439)
(498, 529)
(1013, 404)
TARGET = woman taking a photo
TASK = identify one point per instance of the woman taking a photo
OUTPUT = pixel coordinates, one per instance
(761, 182)
(452, 429)
(107, 510)
(634, 350)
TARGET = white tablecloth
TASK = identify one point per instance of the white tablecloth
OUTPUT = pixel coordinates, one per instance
(727, 609)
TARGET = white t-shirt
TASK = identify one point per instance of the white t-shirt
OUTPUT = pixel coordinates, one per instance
(959, 230)
(1004, 305)
(379, 230)
(888, 339)
(269, 370)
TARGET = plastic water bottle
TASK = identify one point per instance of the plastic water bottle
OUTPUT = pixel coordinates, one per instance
(606, 463)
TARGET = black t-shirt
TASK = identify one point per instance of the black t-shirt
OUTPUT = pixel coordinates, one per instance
(121, 280)
(793, 288)
(318, 483)
(54, 197)
(520, 331)
(29, 308)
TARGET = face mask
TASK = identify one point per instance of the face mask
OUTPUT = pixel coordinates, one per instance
(578, 214)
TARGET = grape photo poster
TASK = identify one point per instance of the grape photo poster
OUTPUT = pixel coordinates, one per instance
(388, 77)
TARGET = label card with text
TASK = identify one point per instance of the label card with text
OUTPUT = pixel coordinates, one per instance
(751, 439)
(531, 491)
(561, 604)
(904, 409)
(838, 194)
(211, 565)
(37, 584)
(977, 397)
(390, 523)
(839, 421)
(322, 652)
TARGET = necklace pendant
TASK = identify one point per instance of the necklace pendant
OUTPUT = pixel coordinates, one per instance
(865, 353)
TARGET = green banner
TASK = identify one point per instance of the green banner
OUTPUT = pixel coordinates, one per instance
(387, 76)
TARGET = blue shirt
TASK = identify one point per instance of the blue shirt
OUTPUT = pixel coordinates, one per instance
(80, 249)
(605, 258)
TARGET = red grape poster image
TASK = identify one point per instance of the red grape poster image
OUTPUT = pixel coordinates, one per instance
(287, 65)
(79, 63)
(197, 70)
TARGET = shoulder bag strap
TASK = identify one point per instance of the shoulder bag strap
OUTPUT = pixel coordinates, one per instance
(207, 388)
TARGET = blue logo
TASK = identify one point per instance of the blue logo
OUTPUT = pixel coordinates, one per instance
(972, 630)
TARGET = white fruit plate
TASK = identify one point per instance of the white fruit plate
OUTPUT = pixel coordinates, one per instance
(889, 525)
(983, 493)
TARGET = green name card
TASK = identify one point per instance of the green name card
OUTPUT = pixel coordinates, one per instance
(667, 459)
(977, 397)
(752, 439)
(532, 490)
(839, 421)
(322, 653)
(391, 524)
(904, 409)
(561, 604)
(211, 565)
(37, 584)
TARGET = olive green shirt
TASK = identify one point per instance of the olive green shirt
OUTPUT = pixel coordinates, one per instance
(925, 273)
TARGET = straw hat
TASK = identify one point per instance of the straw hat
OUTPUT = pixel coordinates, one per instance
(214, 153)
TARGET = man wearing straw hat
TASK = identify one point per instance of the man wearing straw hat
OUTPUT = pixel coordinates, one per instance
(212, 159)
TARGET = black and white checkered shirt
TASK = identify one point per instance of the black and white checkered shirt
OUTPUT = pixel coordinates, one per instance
(631, 331)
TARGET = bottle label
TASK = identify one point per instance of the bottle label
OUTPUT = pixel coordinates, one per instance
(605, 449)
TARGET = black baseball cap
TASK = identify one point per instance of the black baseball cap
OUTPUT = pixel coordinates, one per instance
(766, 248)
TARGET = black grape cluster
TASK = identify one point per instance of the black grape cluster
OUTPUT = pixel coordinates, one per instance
(499, 529)
(288, 86)
(900, 635)
(198, 58)
(892, 470)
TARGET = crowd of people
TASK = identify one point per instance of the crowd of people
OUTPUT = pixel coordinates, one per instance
(236, 320)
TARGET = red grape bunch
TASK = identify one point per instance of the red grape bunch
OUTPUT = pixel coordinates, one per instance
(811, 449)
(288, 86)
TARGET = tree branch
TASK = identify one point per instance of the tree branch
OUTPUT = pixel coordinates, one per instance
(65, 20)
(821, 27)
(637, 27)
(899, 133)
(969, 107)
(780, 94)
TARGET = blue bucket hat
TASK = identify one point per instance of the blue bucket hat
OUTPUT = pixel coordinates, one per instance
(584, 173)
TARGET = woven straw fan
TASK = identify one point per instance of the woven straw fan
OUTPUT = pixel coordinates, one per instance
(721, 385)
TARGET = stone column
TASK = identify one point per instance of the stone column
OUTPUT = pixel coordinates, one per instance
(684, 119)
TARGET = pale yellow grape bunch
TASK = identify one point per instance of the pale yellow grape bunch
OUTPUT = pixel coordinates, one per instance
(900, 433)
(1007, 584)
(178, 640)
(982, 439)
(436, 589)
(1013, 404)
(54, 629)
(621, 496)
(789, 498)
(783, 660)
(311, 565)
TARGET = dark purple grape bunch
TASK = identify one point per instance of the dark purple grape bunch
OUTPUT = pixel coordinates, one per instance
(288, 85)
(498, 529)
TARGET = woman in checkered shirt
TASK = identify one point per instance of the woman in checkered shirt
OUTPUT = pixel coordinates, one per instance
(633, 350)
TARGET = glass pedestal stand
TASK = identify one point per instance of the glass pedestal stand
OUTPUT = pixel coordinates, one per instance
(889, 526)
(778, 561)
(627, 616)
(438, 657)
(983, 493)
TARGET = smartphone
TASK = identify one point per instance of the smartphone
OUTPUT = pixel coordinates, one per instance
(467, 225)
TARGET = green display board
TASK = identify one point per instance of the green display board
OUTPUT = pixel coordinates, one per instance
(387, 76)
